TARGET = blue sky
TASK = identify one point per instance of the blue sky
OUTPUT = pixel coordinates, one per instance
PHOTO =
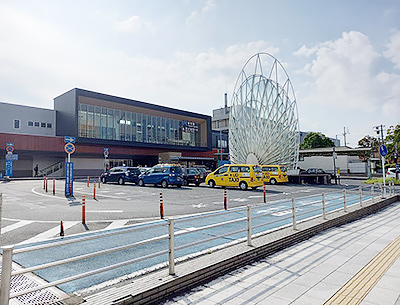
(343, 57)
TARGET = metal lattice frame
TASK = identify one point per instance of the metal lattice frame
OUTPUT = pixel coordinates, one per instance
(263, 121)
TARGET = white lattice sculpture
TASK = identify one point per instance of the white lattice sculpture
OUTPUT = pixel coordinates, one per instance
(263, 121)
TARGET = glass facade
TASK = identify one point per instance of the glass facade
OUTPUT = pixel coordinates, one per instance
(112, 124)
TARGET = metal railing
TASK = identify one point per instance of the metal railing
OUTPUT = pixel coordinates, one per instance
(48, 170)
(253, 221)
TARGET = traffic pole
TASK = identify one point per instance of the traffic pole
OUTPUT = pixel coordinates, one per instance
(161, 206)
(83, 209)
(225, 199)
(265, 195)
(99, 182)
(46, 184)
(54, 186)
(61, 229)
(88, 181)
(94, 190)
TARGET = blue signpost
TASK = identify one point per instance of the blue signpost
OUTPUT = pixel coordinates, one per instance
(69, 148)
(9, 159)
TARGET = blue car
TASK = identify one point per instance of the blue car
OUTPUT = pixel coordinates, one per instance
(164, 175)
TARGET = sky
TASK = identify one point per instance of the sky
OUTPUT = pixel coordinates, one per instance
(342, 57)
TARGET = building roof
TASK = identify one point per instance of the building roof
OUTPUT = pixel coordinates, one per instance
(328, 151)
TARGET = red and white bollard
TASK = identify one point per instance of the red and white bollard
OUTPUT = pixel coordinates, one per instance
(46, 184)
(99, 182)
(225, 199)
(54, 186)
(83, 210)
(88, 181)
(161, 206)
(94, 190)
(265, 195)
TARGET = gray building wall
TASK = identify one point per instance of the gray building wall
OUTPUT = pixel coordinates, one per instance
(20, 119)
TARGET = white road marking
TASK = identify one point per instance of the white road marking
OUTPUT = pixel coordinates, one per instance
(51, 233)
(15, 226)
(200, 205)
(117, 224)
(110, 211)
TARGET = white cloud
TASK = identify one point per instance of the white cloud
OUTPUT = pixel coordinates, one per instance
(134, 24)
(393, 50)
(208, 7)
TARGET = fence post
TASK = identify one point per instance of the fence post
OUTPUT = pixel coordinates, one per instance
(373, 192)
(249, 225)
(161, 206)
(265, 195)
(360, 188)
(225, 199)
(6, 275)
(294, 213)
(171, 246)
(83, 209)
(344, 201)
(323, 207)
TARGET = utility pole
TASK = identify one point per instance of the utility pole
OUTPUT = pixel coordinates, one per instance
(344, 134)
(334, 155)
(395, 161)
(379, 129)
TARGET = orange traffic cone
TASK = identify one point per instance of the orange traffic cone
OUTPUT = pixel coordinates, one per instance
(62, 229)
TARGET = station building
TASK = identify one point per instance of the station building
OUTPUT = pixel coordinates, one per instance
(134, 133)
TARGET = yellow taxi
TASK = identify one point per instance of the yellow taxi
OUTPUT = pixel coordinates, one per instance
(236, 175)
(274, 174)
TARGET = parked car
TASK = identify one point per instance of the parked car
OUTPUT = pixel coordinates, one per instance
(121, 174)
(191, 175)
(314, 171)
(236, 175)
(162, 174)
(274, 174)
(203, 173)
(391, 172)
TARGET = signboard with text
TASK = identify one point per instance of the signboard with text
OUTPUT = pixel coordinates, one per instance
(69, 179)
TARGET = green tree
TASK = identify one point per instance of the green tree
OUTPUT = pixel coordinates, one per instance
(392, 140)
(368, 142)
(316, 140)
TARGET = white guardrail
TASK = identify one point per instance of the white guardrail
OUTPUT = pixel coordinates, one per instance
(335, 203)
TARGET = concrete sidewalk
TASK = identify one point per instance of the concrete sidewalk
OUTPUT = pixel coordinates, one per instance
(312, 271)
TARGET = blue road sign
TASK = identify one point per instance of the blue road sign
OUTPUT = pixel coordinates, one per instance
(106, 152)
(69, 179)
(69, 148)
(9, 168)
(383, 150)
(13, 157)
(69, 139)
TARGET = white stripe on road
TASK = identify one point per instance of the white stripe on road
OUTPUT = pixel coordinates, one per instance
(15, 226)
(51, 233)
(117, 224)
(110, 211)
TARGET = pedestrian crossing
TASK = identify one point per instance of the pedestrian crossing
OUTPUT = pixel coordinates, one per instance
(25, 231)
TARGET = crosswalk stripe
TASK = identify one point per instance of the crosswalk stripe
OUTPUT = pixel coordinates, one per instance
(53, 232)
(15, 226)
(117, 224)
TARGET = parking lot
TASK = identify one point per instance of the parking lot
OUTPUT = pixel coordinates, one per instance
(29, 213)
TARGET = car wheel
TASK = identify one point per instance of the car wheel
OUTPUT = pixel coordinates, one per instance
(104, 180)
(272, 181)
(164, 183)
(197, 184)
(121, 181)
(178, 185)
(211, 183)
(141, 182)
(243, 185)
(185, 182)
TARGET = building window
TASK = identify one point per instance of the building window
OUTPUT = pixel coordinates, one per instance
(30, 124)
(43, 125)
(16, 124)
(49, 125)
(37, 124)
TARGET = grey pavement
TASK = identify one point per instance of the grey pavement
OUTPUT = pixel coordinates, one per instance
(312, 271)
